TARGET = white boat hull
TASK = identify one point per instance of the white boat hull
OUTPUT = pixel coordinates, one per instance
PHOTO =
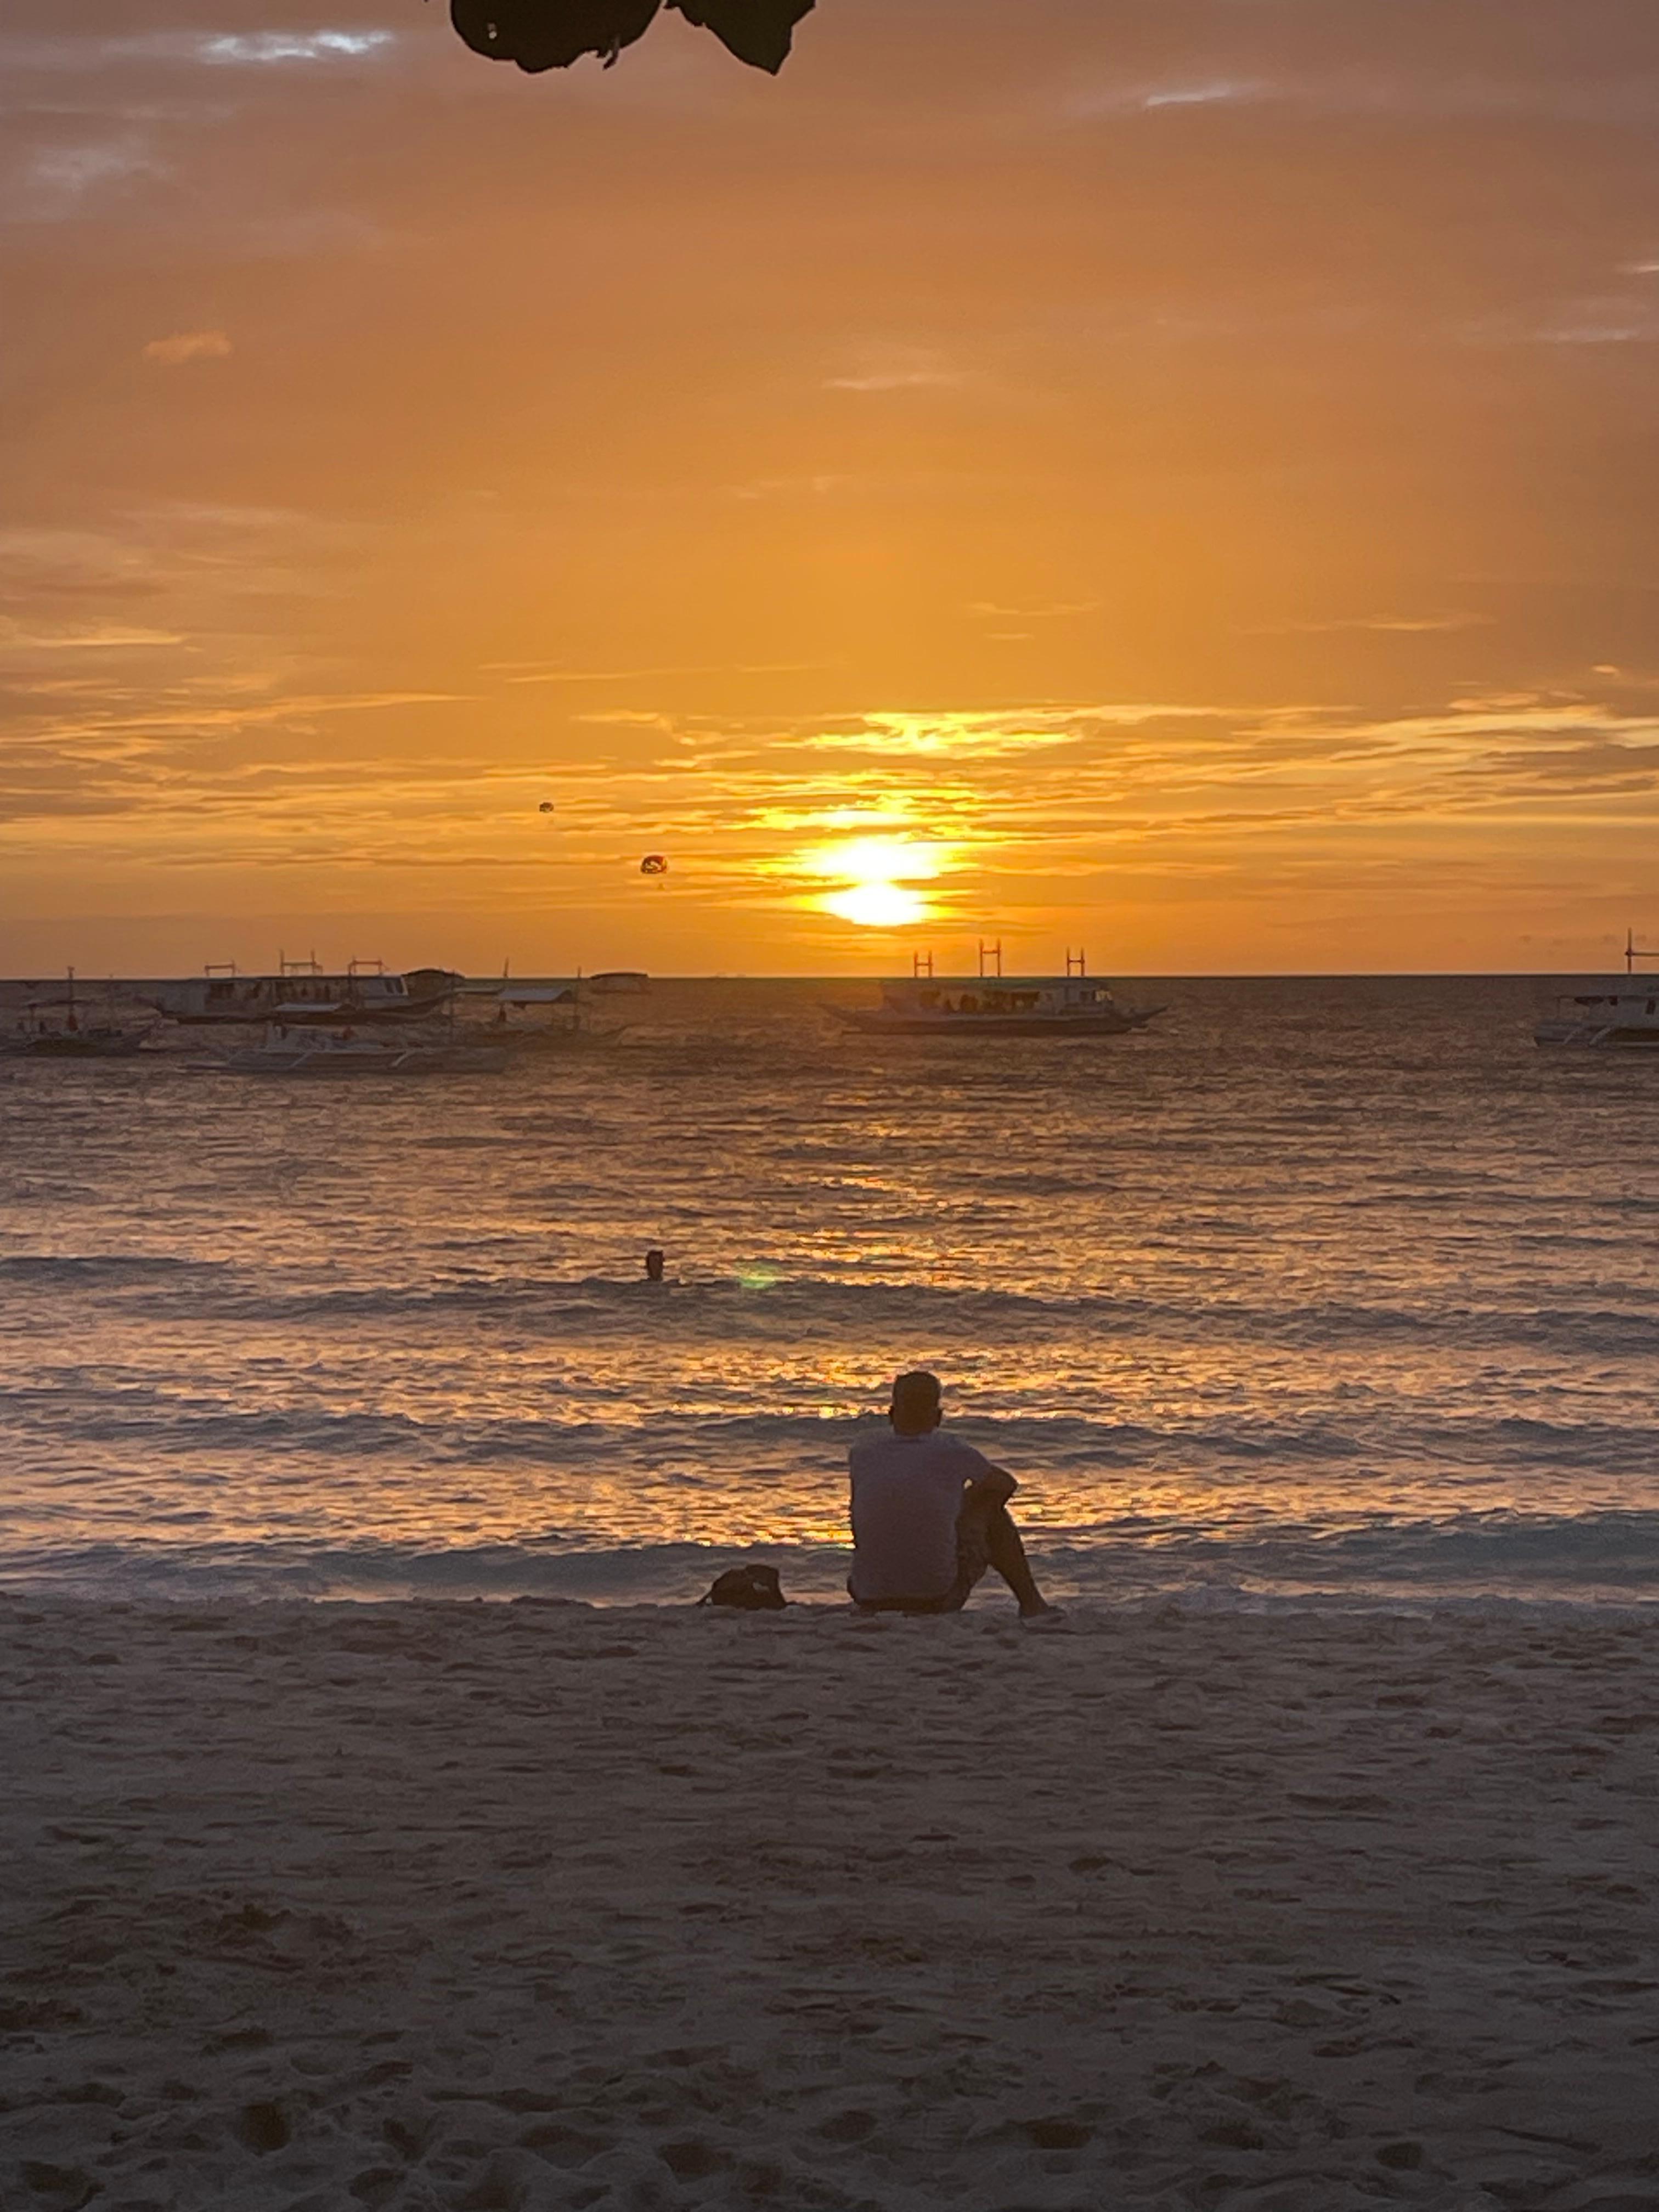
(983, 1006)
(878, 1022)
(1597, 1036)
(371, 1060)
(1623, 1016)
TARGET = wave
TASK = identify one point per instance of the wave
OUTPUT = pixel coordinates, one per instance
(1607, 1558)
(765, 1297)
(33, 1269)
(726, 1445)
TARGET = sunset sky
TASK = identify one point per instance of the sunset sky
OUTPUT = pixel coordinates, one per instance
(1175, 476)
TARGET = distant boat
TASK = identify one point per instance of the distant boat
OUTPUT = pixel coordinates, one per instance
(301, 991)
(91, 1040)
(551, 1018)
(314, 1052)
(995, 1006)
(1625, 1018)
(619, 982)
(71, 1038)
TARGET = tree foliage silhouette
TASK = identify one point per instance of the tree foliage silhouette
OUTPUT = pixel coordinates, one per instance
(542, 34)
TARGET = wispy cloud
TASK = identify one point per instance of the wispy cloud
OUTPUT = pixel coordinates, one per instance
(188, 345)
(1100, 101)
(1216, 93)
(265, 47)
(91, 50)
(63, 182)
(102, 637)
(1375, 88)
(1044, 611)
(520, 672)
(898, 368)
(1424, 625)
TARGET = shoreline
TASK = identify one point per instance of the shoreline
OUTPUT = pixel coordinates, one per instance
(112, 1597)
(448, 1904)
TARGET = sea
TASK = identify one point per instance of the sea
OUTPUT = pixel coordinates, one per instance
(1331, 1290)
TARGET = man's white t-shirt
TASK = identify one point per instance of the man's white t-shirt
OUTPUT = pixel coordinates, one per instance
(907, 1493)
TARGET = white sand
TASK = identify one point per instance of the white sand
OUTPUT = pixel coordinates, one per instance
(512, 1906)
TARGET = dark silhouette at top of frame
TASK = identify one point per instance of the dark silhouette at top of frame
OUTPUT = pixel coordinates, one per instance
(542, 34)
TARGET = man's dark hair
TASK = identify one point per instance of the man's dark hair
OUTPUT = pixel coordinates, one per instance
(916, 1396)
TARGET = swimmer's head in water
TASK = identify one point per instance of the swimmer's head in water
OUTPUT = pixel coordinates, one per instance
(915, 1408)
(654, 1264)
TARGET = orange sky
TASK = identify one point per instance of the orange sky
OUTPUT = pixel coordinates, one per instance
(1176, 477)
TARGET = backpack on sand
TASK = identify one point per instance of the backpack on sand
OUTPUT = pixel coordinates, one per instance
(753, 1590)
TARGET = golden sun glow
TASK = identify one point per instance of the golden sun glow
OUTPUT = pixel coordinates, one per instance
(877, 874)
(874, 861)
(877, 906)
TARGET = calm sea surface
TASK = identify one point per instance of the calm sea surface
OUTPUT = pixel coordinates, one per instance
(1339, 1286)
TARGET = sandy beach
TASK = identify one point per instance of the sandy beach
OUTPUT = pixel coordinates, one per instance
(508, 1907)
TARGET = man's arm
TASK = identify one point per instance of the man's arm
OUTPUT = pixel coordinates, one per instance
(996, 1485)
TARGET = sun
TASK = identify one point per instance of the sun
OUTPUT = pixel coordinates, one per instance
(877, 906)
(874, 878)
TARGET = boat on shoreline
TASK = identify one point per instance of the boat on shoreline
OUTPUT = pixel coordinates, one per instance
(995, 1006)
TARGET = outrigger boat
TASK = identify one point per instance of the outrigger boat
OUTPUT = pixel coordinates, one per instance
(1605, 1021)
(301, 991)
(72, 1038)
(314, 1052)
(1623, 1016)
(1072, 1005)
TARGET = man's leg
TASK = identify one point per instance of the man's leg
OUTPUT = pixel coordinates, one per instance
(986, 1536)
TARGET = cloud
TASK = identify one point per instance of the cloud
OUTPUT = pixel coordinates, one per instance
(1386, 89)
(898, 368)
(104, 637)
(1053, 611)
(534, 675)
(268, 46)
(60, 180)
(1601, 323)
(1147, 99)
(214, 49)
(812, 487)
(1219, 91)
(1391, 625)
(188, 345)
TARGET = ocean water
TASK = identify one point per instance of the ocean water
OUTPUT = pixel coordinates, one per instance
(1337, 1287)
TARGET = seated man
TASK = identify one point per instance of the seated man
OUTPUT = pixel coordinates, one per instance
(930, 1514)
